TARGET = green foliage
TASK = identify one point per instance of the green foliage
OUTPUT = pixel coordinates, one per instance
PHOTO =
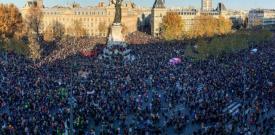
(232, 43)
(189, 51)
(14, 45)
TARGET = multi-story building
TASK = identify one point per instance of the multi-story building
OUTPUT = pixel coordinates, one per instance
(158, 11)
(188, 16)
(262, 17)
(206, 5)
(144, 19)
(90, 16)
(238, 17)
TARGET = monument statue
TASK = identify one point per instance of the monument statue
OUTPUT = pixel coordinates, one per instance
(116, 29)
(116, 45)
(118, 4)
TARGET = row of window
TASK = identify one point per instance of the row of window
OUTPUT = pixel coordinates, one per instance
(80, 13)
(90, 32)
(92, 13)
(81, 19)
(269, 21)
(210, 13)
(84, 25)
(186, 13)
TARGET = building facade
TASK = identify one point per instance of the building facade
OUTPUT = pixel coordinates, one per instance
(206, 5)
(261, 17)
(144, 19)
(188, 15)
(90, 17)
(158, 11)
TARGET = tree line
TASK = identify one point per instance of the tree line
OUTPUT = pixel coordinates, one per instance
(25, 35)
(211, 36)
(173, 27)
(232, 43)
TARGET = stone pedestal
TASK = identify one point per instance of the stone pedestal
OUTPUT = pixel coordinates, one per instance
(116, 45)
(116, 33)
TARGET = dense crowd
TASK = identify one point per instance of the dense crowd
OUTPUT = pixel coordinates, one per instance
(134, 38)
(146, 96)
(59, 50)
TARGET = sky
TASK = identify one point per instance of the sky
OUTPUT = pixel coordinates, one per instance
(230, 4)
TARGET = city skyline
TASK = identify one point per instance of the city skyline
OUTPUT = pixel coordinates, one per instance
(231, 4)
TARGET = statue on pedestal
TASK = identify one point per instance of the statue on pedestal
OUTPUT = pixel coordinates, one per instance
(116, 45)
(118, 4)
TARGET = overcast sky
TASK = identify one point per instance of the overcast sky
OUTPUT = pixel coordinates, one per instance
(231, 4)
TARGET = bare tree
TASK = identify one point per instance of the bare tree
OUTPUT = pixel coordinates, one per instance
(34, 20)
(54, 31)
(102, 28)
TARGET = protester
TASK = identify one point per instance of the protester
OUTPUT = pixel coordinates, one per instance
(146, 96)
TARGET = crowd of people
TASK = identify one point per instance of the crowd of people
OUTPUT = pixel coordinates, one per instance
(59, 50)
(134, 38)
(146, 96)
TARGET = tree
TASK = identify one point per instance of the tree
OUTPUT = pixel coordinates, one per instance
(48, 34)
(208, 26)
(34, 20)
(54, 31)
(10, 21)
(16, 46)
(204, 26)
(102, 27)
(172, 26)
(256, 23)
(124, 29)
(11, 30)
(245, 23)
(35, 51)
(224, 26)
(77, 29)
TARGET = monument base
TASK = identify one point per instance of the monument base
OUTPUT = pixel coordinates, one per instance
(116, 45)
(116, 33)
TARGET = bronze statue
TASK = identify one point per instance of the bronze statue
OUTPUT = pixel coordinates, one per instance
(118, 4)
